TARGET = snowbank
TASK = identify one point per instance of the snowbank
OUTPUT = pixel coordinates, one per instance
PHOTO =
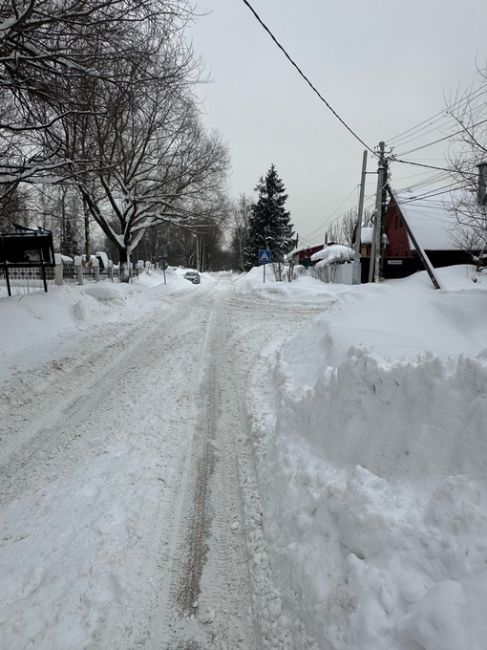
(303, 289)
(372, 465)
(36, 327)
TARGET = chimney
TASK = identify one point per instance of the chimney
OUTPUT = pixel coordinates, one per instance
(482, 187)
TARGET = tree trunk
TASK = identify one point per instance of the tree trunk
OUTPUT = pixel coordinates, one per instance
(124, 265)
(86, 217)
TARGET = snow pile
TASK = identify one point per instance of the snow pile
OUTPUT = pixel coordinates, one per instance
(372, 464)
(36, 326)
(335, 253)
(304, 288)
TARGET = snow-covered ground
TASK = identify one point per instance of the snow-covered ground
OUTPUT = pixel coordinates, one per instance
(244, 465)
(40, 327)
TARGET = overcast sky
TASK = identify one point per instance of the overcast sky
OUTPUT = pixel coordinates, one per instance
(384, 66)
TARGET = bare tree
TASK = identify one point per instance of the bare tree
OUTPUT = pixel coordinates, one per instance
(154, 162)
(97, 94)
(13, 210)
(470, 149)
(47, 47)
(349, 224)
(240, 213)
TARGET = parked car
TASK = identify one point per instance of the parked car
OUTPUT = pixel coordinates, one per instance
(192, 276)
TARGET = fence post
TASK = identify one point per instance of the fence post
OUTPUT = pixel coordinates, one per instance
(96, 268)
(7, 278)
(58, 269)
(78, 268)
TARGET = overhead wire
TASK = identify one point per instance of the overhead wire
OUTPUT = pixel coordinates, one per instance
(306, 79)
(438, 192)
(369, 202)
(420, 130)
(327, 221)
(446, 137)
(422, 179)
(446, 169)
(416, 175)
(433, 128)
(437, 117)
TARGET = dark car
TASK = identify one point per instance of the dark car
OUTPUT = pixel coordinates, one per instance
(192, 276)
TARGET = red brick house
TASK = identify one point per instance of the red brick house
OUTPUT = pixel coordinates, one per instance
(433, 224)
(303, 255)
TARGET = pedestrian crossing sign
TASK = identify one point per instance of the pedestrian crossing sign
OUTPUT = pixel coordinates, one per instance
(264, 256)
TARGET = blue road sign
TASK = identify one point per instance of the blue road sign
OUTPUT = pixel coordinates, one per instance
(264, 256)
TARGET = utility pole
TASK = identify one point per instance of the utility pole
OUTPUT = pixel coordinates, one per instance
(358, 232)
(376, 253)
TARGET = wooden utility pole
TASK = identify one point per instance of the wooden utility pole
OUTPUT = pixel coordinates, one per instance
(376, 252)
(358, 232)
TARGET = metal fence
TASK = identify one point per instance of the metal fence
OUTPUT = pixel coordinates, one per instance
(88, 273)
(25, 280)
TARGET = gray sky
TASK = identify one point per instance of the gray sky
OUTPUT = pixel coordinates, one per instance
(384, 66)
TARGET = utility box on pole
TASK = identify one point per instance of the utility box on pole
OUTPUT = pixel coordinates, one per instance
(482, 186)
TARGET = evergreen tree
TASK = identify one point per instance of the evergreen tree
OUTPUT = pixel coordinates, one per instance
(270, 223)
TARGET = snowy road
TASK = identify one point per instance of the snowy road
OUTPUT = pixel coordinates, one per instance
(129, 513)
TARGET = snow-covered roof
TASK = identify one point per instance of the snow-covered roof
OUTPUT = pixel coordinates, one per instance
(103, 256)
(303, 249)
(432, 219)
(334, 253)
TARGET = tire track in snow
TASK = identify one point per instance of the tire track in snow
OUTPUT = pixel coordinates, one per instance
(198, 521)
(209, 602)
(222, 593)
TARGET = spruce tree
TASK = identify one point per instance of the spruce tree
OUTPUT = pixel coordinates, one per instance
(270, 223)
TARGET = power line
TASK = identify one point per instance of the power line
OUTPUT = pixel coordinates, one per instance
(407, 134)
(310, 84)
(444, 169)
(428, 195)
(425, 178)
(446, 137)
(327, 221)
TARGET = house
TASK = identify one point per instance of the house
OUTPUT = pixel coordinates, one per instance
(429, 218)
(303, 255)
